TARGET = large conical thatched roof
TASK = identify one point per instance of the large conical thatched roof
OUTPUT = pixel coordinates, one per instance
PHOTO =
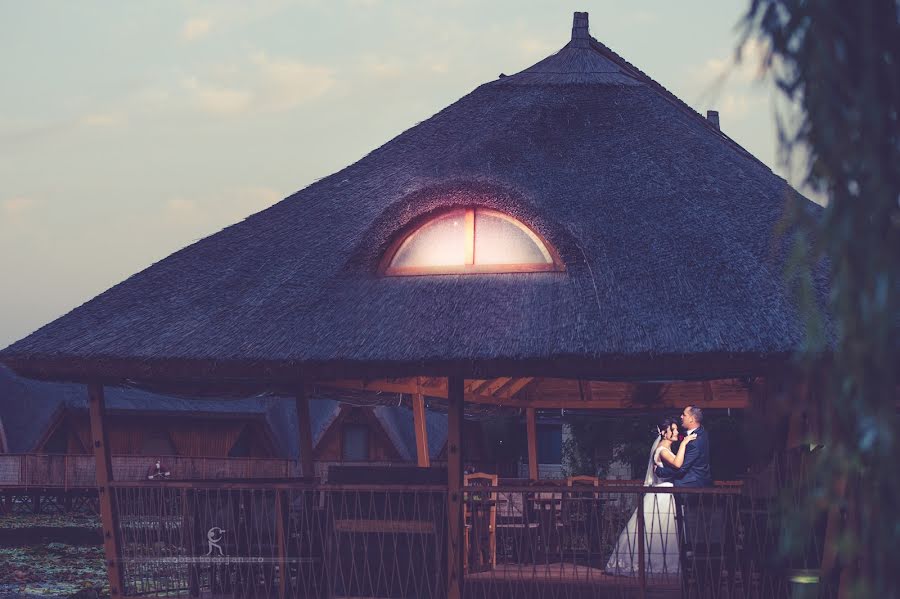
(664, 224)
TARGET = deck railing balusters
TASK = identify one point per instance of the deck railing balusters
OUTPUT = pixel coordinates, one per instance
(301, 538)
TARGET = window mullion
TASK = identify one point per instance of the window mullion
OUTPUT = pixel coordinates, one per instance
(470, 236)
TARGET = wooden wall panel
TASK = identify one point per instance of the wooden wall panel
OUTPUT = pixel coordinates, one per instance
(381, 448)
(210, 438)
(195, 437)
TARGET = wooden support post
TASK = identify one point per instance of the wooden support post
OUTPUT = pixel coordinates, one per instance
(281, 531)
(108, 515)
(531, 434)
(424, 460)
(642, 573)
(456, 528)
(304, 428)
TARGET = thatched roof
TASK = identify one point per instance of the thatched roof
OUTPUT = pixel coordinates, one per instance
(664, 224)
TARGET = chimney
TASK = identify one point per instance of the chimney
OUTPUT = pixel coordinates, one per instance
(580, 36)
(713, 117)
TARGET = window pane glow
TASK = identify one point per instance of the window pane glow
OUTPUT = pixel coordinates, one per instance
(500, 241)
(471, 240)
(440, 242)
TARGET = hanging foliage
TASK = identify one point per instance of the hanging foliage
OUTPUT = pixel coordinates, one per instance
(837, 67)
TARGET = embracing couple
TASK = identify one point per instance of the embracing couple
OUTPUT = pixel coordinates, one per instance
(684, 466)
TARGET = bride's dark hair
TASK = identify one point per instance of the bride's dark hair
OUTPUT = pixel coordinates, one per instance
(664, 425)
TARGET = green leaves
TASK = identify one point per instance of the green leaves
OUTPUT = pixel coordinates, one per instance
(838, 61)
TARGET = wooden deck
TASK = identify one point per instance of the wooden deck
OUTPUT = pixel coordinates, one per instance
(557, 581)
(569, 581)
(564, 572)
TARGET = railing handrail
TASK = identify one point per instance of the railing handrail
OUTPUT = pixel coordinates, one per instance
(34, 471)
(250, 485)
(148, 457)
(609, 489)
(288, 484)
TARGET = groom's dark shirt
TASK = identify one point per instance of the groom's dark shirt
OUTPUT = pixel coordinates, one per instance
(694, 471)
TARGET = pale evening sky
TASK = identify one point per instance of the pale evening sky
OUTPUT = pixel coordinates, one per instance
(131, 129)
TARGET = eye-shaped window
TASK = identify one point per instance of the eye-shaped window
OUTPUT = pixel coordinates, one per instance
(471, 240)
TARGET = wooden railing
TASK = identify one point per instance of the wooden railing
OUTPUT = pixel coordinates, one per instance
(78, 471)
(282, 538)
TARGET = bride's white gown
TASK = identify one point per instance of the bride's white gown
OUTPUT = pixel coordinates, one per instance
(660, 537)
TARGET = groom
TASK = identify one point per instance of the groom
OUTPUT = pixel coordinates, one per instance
(694, 471)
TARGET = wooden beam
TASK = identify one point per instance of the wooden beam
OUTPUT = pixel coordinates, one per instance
(108, 515)
(304, 432)
(476, 386)
(541, 403)
(531, 433)
(707, 392)
(422, 457)
(495, 385)
(455, 549)
(517, 385)
(584, 387)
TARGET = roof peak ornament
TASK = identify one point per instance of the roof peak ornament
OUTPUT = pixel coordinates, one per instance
(581, 37)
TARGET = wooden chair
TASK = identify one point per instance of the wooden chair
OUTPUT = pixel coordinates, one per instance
(582, 480)
(580, 518)
(480, 512)
(517, 524)
(385, 542)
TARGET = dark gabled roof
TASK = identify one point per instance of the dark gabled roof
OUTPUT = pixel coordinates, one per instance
(396, 420)
(28, 407)
(398, 423)
(664, 224)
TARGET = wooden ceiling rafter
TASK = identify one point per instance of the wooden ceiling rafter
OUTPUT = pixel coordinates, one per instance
(495, 385)
(519, 385)
(508, 392)
(477, 385)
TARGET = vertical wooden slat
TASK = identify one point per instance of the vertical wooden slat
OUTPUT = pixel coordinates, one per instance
(455, 549)
(424, 460)
(642, 574)
(470, 235)
(281, 521)
(304, 429)
(531, 434)
(108, 516)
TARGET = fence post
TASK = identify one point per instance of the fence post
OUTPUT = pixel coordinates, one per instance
(455, 530)
(642, 573)
(108, 515)
(281, 519)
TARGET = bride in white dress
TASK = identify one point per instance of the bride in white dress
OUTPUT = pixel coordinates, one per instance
(660, 537)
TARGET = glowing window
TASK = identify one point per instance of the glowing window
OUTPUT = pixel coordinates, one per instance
(469, 241)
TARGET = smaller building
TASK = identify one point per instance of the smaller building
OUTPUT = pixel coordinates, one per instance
(52, 418)
(193, 438)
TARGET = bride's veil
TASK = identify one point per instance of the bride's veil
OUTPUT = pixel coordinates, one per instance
(648, 478)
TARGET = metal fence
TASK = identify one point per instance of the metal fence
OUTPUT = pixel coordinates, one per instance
(322, 541)
(539, 540)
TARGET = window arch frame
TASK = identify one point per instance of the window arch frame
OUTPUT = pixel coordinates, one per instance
(385, 268)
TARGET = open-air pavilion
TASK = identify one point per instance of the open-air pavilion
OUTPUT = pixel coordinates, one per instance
(570, 236)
